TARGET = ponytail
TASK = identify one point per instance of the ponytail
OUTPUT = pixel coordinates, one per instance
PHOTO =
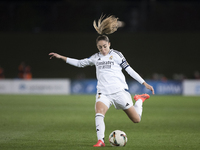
(106, 26)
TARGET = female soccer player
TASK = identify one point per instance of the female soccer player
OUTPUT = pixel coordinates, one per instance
(111, 87)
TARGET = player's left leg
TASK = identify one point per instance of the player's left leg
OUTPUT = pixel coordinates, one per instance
(139, 102)
(123, 100)
(135, 112)
(132, 114)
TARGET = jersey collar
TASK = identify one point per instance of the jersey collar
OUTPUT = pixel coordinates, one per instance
(107, 54)
(110, 51)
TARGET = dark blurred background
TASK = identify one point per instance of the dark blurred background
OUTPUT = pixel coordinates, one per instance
(160, 39)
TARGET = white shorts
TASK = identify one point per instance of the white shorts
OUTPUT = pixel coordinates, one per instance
(121, 100)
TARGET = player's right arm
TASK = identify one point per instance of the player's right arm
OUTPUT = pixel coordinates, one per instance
(58, 56)
(75, 62)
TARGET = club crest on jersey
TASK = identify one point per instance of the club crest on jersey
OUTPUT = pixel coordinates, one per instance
(111, 57)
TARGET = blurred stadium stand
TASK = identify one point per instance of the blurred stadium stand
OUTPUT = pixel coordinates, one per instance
(166, 33)
(77, 16)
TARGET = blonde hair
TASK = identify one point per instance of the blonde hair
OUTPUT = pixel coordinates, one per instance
(106, 26)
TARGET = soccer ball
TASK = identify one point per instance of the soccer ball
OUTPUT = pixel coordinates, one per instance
(118, 138)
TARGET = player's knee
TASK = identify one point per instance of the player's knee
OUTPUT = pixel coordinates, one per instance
(101, 108)
(136, 120)
(101, 111)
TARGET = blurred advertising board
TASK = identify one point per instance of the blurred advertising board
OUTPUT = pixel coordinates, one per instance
(84, 86)
(169, 87)
(161, 88)
(191, 87)
(35, 86)
(88, 86)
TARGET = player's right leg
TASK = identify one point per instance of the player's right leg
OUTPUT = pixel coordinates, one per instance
(101, 107)
(101, 110)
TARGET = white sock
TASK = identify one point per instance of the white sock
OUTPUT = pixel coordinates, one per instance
(138, 107)
(100, 126)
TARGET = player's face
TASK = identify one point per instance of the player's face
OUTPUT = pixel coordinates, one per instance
(104, 47)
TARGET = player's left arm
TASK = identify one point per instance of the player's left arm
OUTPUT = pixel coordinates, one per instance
(124, 64)
(149, 87)
(137, 77)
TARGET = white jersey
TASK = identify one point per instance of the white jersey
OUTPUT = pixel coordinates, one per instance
(108, 71)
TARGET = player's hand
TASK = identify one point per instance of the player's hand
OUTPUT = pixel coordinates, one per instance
(54, 55)
(149, 87)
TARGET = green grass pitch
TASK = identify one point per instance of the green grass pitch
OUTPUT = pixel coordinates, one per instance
(53, 122)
